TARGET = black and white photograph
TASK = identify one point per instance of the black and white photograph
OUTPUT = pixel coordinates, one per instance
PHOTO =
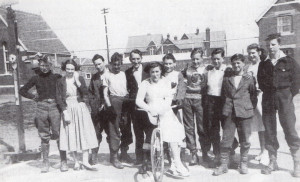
(149, 91)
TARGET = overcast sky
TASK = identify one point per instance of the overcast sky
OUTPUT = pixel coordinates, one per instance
(80, 23)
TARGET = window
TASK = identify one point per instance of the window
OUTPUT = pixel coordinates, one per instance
(284, 24)
(151, 51)
(7, 65)
(88, 76)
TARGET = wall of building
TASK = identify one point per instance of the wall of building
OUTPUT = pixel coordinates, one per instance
(268, 25)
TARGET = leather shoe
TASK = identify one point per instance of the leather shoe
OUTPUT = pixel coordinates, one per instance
(222, 169)
(63, 166)
(116, 163)
(194, 160)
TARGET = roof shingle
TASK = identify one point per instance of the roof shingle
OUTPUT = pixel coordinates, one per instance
(36, 34)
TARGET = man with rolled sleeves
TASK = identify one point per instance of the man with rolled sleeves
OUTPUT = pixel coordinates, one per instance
(47, 114)
(279, 79)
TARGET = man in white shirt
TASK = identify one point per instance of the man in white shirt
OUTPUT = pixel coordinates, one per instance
(213, 103)
(115, 92)
(141, 125)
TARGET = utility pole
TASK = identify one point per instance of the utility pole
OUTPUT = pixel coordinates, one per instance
(104, 11)
(14, 59)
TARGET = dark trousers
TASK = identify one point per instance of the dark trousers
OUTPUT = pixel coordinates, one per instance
(142, 128)
(281, 100)
(48, 121)
(119, 126)
(212, 118)
(192, 107)
(243, 127)
(100, 121)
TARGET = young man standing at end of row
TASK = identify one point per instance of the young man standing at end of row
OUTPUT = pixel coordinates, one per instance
(279, 79)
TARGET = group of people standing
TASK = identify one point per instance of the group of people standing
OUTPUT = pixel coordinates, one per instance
(239, 97)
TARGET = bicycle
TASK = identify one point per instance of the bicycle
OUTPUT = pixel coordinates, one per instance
(157, 153)
(157, 149)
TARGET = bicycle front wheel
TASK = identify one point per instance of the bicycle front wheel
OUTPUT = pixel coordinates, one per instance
(157, 155)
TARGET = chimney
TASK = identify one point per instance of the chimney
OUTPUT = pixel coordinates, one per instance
(175, 38)
(168, 36)
(207, 41)
(197, 31)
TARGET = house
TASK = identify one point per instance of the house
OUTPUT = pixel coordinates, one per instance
(147, 44)
(206, 41)
(282, 16)
(34, 35)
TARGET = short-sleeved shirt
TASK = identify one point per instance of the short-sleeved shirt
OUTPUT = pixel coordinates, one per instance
(116, 83)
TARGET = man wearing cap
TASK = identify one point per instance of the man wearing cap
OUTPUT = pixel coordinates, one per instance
(279, 79)
(47, 113)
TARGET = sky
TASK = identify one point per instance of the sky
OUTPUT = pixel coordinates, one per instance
(80, 23)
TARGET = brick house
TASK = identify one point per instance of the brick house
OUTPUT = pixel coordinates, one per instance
(207, 41)
(34, 35)
(282, 16)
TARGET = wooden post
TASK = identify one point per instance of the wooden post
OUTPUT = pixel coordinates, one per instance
(13, 42)
(105, 10)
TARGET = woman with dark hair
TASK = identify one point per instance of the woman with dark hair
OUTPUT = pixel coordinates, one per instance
(77, 132)
(155, 97)
(256, 55)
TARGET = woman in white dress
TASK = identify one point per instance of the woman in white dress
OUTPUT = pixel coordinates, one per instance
(155, 97)
(77, 132)
(256, 55)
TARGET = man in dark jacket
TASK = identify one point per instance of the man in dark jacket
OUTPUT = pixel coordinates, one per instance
(279, 79)
(47, 115)
(240, 96)
(134, 76)
(98, 113)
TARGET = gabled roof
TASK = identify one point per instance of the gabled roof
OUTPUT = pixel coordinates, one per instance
(217, 38)
(141, 42)
(35, 34)
(279, 2)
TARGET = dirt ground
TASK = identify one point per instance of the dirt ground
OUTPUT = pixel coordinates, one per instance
(29, 171)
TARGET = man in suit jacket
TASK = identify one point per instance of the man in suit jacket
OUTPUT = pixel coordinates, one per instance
(135, 75)
(240, 96)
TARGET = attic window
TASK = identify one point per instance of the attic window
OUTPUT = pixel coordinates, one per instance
(284, 24)
(151, 51)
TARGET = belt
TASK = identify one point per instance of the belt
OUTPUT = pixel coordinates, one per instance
(48, 101)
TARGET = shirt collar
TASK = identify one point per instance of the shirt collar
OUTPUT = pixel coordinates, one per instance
(281, 55)
(139, 68)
